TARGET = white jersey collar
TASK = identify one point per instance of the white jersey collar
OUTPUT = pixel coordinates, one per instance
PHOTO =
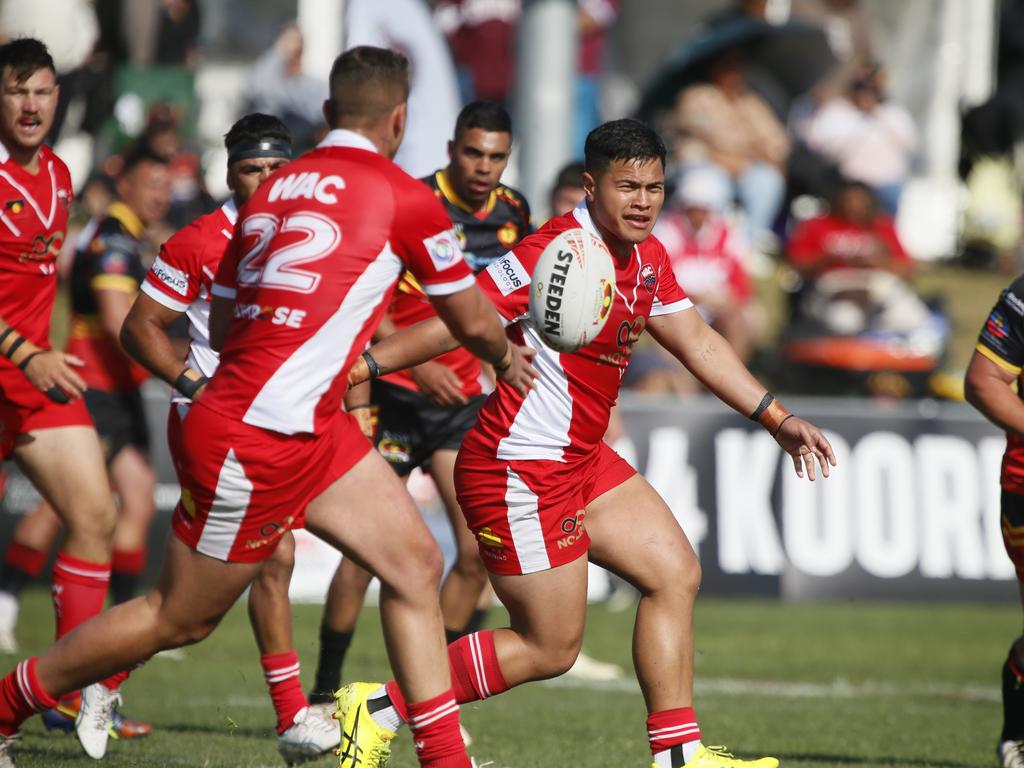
(582, 214)
(230, 211)
(341, 137)
(4, 154)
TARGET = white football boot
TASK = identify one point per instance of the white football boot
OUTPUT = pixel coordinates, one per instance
(1011, 754)
(310, 736)
(92, 726)
(8, 621)
(7, 750)
(588, 668)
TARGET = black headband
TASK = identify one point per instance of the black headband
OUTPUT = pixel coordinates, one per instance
(260, 148)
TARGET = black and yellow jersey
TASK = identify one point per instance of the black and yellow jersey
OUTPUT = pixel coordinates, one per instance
(487, 234)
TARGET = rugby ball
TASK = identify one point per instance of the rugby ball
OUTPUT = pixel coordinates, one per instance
(572, 289)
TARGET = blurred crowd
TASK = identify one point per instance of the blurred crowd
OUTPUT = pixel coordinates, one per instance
(787, 155)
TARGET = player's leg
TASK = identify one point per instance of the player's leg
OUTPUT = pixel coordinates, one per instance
(301, 733)
(467, 578)
(383, 532)
(1011, 739)
(345, 597)
(634, 535)
(135, 482)
(26, 554)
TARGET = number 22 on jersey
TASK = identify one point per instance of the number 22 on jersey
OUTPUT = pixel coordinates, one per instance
(278, 268)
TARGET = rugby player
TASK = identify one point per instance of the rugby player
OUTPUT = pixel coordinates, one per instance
(422, 414)
(44, 424)
(306, 279)
(996, 365)
(542, 492)
(178, 283)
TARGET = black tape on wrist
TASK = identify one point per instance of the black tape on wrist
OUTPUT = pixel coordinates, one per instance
(24, 363)
(502, 368)
(765, 402)
(371, 365)
(5, 334)
(14, 347)
(188, 387)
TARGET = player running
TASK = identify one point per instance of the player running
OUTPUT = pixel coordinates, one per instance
(179, 283)
(542, 492)
(44, 425)
(307, 277)
(423, 414)
(995, 366)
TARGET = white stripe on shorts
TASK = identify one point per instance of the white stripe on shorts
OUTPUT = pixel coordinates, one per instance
(524, 522)
(230, 502)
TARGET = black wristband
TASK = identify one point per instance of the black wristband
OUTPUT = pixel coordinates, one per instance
(779, 428)
(371, 365)
(58, 395)
(24, 363)
(351, 408)
(188, 387)
(502, 368)
(765, 402)
(5, 334)
(14, 347)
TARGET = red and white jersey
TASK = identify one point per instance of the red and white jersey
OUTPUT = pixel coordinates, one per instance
(566, 414)
(312, 266)
(182, 276)
(708, 260)
(33, 224)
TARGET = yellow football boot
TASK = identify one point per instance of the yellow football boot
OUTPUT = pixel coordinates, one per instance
(717, 757)
(364, 744)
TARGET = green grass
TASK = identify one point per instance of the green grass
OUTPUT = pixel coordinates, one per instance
(895, 685)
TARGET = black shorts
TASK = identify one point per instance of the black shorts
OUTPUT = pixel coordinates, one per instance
(411, 427)
(120, 419)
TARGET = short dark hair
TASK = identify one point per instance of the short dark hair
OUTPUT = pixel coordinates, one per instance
(255, 126)
(366, 83)
(488, 115)
(625, 139)
(139, 154)
(571, 175)
(25, 56)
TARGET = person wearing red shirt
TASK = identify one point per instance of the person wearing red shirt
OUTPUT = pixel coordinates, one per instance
(267, 442)
(543, 493)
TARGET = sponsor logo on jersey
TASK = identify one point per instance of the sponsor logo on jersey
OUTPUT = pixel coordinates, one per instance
(996, 325)
(15, 206)
(574, 527)
(307, 184)
(444, 250)
(607, 297)
(489, 538)
(1015, 302)
(395, 448)
(277, 315)
(508, 274)
(556, 287)
(508, 234)
(44, 248)
(173, 278)
(650, 278)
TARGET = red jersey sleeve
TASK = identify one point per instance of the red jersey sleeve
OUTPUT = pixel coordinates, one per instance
(176, 277)
(669, 296)
(506, 281)
(425, 241)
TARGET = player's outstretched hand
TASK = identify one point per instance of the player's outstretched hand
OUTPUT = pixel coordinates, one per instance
(803, 442)
(439, 383)
(53, 372)
(519, 374)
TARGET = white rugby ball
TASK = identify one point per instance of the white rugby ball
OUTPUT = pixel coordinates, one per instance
(572, 289)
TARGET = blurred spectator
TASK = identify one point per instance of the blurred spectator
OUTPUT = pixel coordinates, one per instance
(568, 189)
(724, 124)
(854, 269)
(596, 19)
(161, 31)
(482, 35)
(407, 26)
(870, 139)
(188, 196)
(707, 256)
(739, 10)
(278, 86)
(848, 28)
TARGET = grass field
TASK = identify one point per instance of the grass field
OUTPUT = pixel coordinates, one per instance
(831, 684)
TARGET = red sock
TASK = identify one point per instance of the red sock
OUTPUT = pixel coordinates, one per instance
(27, 560)
(282, 673)
(114, 681)
(129, 561)
(79, 590)
(475, 672)
(21, 696)
(435, 732)
(671, 728)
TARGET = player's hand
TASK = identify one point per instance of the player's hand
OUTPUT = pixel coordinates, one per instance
(520, 374)
(804, 442)
(358, 373)
(364, 418)
(439, 383)
(55, 369)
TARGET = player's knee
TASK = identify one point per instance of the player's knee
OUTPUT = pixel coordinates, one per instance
(559, 655)
(92, 518)
(420, 571)
(176, 633)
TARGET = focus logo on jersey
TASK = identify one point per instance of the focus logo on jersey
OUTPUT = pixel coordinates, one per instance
(307, 184)
(508, 274)
(444, 250)
(174, 278)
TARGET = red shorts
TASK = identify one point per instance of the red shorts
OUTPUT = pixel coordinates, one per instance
(529, 516)
(18, 419)
(243, 487)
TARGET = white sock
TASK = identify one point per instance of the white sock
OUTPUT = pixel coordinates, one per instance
(387, 715)
(665, 758)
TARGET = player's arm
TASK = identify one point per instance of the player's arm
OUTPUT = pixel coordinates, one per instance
(987, 387)
(51, 371)
(144, 337)
(357, 402)
(112, 305)
(712, 360)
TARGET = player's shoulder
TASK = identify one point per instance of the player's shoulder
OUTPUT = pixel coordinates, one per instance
(513, 197)
(652, 247)
(59, 166)
(200, 233)
(1013, 296)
